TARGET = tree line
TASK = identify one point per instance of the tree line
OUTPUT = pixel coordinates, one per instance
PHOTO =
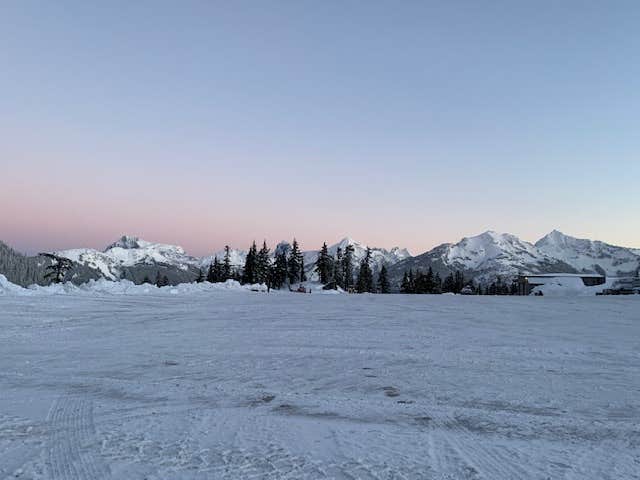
(455, 282)
(286, 268)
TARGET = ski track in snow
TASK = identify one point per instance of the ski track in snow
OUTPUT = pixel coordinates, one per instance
(255, 386)
(72, 451)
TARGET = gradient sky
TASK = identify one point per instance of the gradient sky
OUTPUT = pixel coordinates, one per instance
(396, 123)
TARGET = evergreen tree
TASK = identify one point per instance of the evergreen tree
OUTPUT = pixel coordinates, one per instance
(303, 274)
(249, 272)
(437, 283)
(279, 270)
(365, 275)
(161, 280)
(57, 269)
(405, 286)
(383, 281)
(338, 275)
(215, 273)
(226, 265)
(430, 281)
(449, 284)
(263, 264)
(295, 263)
(201, 276)
(324, 265)
(146, 280)
(458, 283)
(347, 268)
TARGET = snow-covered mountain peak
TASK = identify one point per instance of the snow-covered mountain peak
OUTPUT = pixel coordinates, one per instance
(590, 255)
(128, 242)
(346, 241)
(130, 251)
(554, 237)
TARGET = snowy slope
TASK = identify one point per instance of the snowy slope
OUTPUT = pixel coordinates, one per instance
(130, 251)
(495, 251)
(484, 257)
(590, 255)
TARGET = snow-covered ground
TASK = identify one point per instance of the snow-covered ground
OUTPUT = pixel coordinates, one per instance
(235, 384)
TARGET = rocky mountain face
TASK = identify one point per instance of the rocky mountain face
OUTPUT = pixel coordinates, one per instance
(483, 257)
(137, 260)
(590, 255)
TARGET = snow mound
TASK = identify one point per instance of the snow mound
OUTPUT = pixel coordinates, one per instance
(8, 288)
(124, 287)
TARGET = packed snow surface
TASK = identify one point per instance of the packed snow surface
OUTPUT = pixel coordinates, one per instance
(235, 384)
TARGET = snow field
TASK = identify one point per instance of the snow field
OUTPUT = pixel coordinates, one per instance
(236, 384)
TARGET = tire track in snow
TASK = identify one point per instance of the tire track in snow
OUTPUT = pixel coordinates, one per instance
(72, 454)
(603, 461)
(450, 439)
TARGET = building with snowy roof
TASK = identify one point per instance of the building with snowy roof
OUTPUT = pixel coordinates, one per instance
(526, 283)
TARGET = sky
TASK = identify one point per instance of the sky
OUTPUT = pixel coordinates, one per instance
(395, 123)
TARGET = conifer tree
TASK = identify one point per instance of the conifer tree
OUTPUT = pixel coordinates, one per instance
(449, 284)
(161, 280)
(226, 266)
(383, 281)
(458, 282)
(250, 264)
(324, 265)
(279, 270)
(347, 267)
(338, 275)
(263, 264)
(215, 273)
(303, 274)
(58, 267)
(201, 276)
(365, 275)
(437, 283)
(146, 280)
(405, 286)
(294, 263)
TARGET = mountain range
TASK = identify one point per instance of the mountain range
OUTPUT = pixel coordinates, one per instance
(482, 257)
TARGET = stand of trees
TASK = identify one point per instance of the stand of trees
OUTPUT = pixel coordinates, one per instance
(286, 268)
(455, 282)
(425, 282)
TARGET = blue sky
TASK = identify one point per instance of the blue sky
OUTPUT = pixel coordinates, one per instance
(396, 123)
